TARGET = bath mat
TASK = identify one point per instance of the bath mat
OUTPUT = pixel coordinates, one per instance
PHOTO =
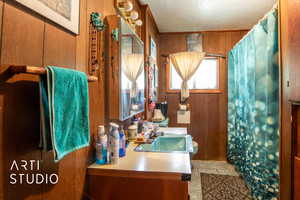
(223, 187)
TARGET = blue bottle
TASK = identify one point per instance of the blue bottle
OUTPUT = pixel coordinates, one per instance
(122, 150)
(101, 146)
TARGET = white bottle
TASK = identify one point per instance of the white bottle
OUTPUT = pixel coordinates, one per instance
(114, 143)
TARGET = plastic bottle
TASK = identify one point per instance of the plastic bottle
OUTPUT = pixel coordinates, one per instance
(122, 149)
(140, 126)
(101, 146)
(132, 132)
(114, 143)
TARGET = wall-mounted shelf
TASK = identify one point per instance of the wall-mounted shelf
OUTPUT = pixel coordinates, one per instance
(38, 70)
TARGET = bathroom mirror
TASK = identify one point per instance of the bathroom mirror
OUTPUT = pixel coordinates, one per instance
(153, 71)
(132, 79)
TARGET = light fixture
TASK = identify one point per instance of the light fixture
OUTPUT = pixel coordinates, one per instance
(126, 5)
(134, 15)
(126, 10)
(139, 22)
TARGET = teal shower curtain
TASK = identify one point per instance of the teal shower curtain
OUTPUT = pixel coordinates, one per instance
(253, 108)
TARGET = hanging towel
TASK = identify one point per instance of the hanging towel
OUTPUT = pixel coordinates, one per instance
(64, 111)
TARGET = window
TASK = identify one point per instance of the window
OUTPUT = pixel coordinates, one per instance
(206, 77)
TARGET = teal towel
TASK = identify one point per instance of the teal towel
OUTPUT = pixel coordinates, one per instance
(64, 111)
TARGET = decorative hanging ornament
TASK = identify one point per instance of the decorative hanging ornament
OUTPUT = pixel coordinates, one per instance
(139, 22)
(134, 15)
(97, 22)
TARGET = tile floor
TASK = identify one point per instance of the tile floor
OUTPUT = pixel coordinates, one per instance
(209, 167)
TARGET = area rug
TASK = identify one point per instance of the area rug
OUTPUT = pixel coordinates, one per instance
(223, 187)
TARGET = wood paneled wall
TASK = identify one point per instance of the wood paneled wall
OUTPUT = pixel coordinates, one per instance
(290, 46)
(28, 38)
(208, 111)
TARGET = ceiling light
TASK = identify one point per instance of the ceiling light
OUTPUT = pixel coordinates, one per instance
(139, 22)
(126, 5)
(134, 15)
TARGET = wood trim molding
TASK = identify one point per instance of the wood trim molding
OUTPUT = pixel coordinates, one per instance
(148, 10)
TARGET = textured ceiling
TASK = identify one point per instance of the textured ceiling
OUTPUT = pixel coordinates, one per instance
(203, 15)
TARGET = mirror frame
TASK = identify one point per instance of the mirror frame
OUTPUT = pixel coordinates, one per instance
(120, 68)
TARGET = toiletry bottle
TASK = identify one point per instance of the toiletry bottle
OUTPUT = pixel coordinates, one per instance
(114, 143)
(122, 151)
(132, 132)
(140, 126)
(101, 146)
(135, 122)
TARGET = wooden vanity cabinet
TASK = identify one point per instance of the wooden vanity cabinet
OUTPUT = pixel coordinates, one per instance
(121, 43)
(141, 176)
(127, 188)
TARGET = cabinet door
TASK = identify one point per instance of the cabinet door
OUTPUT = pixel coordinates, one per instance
(296, 153)
(293, 47)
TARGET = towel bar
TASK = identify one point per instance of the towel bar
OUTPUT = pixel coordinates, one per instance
(38, 70)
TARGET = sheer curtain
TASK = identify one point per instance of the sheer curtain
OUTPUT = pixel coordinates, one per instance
(186, 64)
(133, 69)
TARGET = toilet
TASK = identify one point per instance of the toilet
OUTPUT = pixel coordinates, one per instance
(195, 150)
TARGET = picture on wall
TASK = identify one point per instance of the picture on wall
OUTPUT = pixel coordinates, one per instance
(194, 42)
(153, 78)
(62, 12)
(153, 71)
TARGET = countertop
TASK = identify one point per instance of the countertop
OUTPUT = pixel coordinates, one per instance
(147, 165)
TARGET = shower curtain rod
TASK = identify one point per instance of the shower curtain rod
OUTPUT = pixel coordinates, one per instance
(264, 17)
(206, 54)
(38, 70)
